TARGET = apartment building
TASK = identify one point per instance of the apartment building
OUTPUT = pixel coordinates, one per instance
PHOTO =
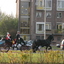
(39, 17)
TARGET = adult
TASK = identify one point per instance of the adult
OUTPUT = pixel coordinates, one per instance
(8, 36)
(62, 44)
(8, 39)
(18, 35)
(19, 40)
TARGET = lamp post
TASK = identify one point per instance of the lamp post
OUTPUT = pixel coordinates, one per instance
(19, 17)
(45, 21)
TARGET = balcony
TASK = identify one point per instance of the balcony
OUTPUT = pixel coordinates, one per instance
(58, 31)
(25, 27)
(60, 9)
(39, 8)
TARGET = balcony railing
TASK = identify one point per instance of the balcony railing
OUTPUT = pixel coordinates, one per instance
(60, 9)
(39, 8)
(43, 8)
(58, 31)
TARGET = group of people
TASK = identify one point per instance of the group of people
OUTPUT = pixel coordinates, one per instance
(17, 40)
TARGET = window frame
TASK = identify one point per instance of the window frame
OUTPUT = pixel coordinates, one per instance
(60, 8)
(39, 32)
(40, 14)
(48, 25)
(25, 9)
(48, 8)
(48, 14)
(58, 15)
(59, 25)
(43, 23)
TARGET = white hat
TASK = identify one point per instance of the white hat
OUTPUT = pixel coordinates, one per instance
(7, 32)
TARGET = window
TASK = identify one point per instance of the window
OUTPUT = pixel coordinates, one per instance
(48, 15)
(59, 15)
(59, 27)
(40, 4)
(25, 21)
(24, 12)
(25, 8)
(48, 25)
(37, 37)
(24, 24)
(58, 38)
(38, 14)
(25, 4)
(40, 27)
(60, 5)
(63, 27)
(48, 4)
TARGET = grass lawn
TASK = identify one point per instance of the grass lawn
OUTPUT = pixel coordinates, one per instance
(53, 48)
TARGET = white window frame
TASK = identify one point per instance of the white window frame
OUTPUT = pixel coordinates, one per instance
(60, 8)
(43, 23)
(38, 5)
(38, 2)
(48, 8)
(39, 32)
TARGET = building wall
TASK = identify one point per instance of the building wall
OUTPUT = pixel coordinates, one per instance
(33, 20)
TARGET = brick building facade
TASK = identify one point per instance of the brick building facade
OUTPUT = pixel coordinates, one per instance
(31, 19)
